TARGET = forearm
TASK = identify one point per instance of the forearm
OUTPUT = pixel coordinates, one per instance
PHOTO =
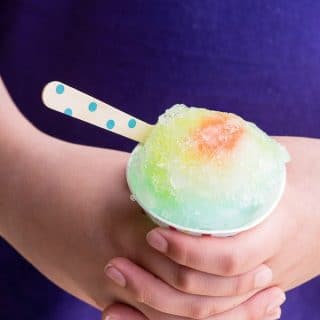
(33, 174)
(15, 142)
(66, 196)
(303, 183)
(13, 126)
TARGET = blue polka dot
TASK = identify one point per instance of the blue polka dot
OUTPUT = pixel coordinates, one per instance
(132, 123)
(110, 124)
(59, 88)
(92, 106)
(68, 112)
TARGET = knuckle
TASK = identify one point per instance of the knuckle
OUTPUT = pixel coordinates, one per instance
(180, 253)
(141, 294)
(196, 311)
(231, 263)
(184, 279)
(239, 286)
(185, 253)
(202, 310)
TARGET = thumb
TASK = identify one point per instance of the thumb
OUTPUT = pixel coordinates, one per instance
(121, 311)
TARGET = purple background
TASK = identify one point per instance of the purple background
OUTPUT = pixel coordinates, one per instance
(260, 59)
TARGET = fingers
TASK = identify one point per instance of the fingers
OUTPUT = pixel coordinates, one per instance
(265, 305)
(122, 311)
(219, 256)
(192, 281)
(149, 290)
(200, 283)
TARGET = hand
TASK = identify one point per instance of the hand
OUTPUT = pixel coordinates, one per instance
(66, 208)
(254, 309)
(288, 241)
(74, 214)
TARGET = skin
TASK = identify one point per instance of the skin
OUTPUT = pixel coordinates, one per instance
(295, 223)
(66, 208)
(287, 241)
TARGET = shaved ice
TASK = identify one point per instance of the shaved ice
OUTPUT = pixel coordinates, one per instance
(206, 170)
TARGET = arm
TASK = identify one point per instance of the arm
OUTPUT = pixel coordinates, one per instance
(16, 140)
(66, 208)
(45, 196)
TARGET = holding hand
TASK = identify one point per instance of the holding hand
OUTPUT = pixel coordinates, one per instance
(74, 216)
(287, 242)
(79, 216)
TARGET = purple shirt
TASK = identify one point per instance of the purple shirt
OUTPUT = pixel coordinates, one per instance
(259, 59)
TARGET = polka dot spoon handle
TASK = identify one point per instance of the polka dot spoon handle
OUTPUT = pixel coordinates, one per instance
(65, 99)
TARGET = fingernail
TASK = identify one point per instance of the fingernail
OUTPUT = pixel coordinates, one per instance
(157, 241)
(115, 275)
(275, 315)
(275, 304)
(263, 277)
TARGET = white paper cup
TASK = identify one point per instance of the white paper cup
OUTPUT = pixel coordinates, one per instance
(215, 233)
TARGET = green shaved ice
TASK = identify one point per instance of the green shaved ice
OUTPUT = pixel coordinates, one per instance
(227, 190)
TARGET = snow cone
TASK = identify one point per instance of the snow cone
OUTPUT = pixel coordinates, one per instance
(196, 170)
(207, 172)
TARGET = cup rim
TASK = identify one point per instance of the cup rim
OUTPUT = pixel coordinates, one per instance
(217, 232)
